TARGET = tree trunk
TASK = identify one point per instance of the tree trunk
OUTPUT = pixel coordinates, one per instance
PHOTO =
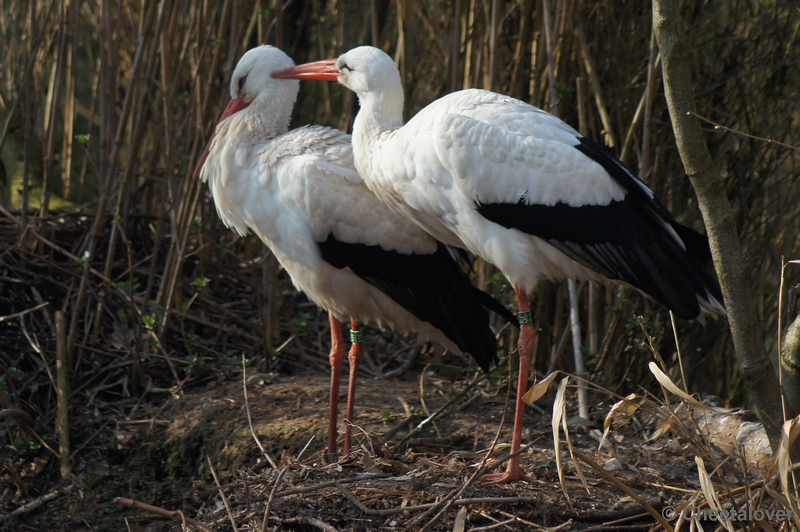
(759, 377)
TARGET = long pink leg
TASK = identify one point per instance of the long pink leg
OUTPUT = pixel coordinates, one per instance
(355, 355)
(527, 338)
(337, 359)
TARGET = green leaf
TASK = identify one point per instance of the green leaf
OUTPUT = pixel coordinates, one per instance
(200, 283)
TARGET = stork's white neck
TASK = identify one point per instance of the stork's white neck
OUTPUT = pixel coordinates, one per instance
(269, 117)
(381, 113)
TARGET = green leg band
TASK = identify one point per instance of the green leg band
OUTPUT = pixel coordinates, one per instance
(524, 317)
(356, 337)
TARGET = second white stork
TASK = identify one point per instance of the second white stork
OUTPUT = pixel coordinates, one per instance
(299, 192)
(521, 189)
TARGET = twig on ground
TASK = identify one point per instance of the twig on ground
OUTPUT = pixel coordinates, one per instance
(450, 499)
(412, 355)
(352, 498)
(173, 515)
(19, 314)
(313, 521)
(25, 508)
(62, 377)
(304, 448)
(628, 491)
(494, 525)
(222, 494)
(439, 412)
(422, 399)
(271, 499)
(447, 501)
(331, 484)
(25, 423)
(250, 418)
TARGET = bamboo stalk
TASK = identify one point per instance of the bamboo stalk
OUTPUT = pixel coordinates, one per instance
(652, 81)
(62, 378)
(580, 90)
(374, 22)
(551, 73)
(70, 103)
(455, 24)
(594, 81)
(232, 40)
(263, 27)
(492, 45)
(54, 104)
(128, 104)
(469, 36)
(521, 74)
(401, 57)
(279, 23)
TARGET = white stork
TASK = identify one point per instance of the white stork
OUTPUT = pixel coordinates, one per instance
(521, 189)
(299, 192)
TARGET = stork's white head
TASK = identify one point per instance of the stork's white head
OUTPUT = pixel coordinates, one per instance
(367, 71)
(263, 102)
(252, 79)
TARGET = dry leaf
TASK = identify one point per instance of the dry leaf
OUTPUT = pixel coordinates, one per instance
(559, 411)
(539, 389)
(461, 520)
(627, 407)
(789, 433)
(667, 383)
(708, 490)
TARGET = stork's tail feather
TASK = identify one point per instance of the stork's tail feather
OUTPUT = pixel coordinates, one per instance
(495, 306)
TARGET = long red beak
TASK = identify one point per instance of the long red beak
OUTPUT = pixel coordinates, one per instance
(233, 107)
(324, 70)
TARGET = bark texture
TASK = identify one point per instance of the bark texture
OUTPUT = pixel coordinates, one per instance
(759, 376)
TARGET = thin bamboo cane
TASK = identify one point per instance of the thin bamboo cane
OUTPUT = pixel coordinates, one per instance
(594, 81)
(70, 103)
(49, 161)
(469, 36)
(653, 77)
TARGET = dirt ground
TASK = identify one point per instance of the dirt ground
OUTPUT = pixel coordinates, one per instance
(162, 459)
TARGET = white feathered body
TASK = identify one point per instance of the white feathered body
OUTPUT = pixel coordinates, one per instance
(296, 189)
(477, 147)
(481, 146)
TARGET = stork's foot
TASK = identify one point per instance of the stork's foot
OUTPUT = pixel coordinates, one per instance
(512, 474)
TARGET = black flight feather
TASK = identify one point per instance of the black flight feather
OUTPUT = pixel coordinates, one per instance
(626, 240)
(432, 287)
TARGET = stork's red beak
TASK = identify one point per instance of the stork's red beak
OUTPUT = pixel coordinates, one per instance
(324, 70)
(233, 107)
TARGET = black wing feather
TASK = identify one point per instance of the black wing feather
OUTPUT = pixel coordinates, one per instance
(432, 287)
(625, 240)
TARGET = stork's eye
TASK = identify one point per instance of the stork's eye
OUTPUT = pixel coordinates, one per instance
(242, 81)
(346, 67)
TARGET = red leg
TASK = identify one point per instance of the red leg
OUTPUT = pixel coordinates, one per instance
(337, 359)
(354, 357)
(527, 338)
